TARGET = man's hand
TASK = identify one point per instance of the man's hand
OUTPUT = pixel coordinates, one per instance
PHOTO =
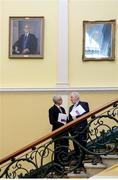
(16, 50)
(26, 51)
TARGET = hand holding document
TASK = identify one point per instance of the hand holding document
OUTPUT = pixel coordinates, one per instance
(62, 118)
(79, 110)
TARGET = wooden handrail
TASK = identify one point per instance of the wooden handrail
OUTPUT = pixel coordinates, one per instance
(57, 131)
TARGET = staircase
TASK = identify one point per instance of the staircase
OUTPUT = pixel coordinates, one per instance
(111, 172)
(92, 170)
(36, 160)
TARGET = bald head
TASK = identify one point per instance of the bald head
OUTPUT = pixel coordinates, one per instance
(57, 100)
(74, 97)
(26, 28)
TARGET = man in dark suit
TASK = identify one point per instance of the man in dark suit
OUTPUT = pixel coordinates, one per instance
(26, 44)
(78, 130)
(61, 144)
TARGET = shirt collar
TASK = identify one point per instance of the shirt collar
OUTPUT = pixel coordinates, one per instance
(76, 103)
(57, 106)
(26, 34)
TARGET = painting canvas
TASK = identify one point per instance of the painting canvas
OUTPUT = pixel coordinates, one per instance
(26, 37)
(98, 40)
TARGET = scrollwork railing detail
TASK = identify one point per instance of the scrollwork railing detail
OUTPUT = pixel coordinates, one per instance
(102, 130)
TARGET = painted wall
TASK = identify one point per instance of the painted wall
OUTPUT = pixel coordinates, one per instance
(90, 73)
(30, 72)
(24, 119)
(24, 116)
(42, 72)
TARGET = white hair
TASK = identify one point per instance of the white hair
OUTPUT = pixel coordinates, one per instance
(56, 98)
(76, 94)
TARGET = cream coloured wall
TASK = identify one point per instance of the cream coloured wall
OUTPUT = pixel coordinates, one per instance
(24, 116)
(0, 125)
(24, 119)
(30, 72)
(90, 74)
(0, 73)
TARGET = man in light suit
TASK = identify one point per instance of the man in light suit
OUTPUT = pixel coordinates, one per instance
(60, 145)
(26, 44)
(78, 129)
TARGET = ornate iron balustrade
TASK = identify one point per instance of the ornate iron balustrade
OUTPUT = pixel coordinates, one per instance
(38, 162)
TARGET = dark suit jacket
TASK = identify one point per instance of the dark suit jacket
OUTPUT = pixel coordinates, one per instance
(53, 117)
(80, 126)
(31, 44)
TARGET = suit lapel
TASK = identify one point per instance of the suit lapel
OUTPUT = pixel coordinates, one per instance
(58, 109)
(71, 108)
(79, 103)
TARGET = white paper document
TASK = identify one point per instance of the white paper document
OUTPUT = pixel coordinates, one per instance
(62, 118)
(79, 110)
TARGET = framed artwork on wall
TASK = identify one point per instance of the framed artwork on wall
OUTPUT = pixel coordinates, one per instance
(26, 37)
(98, 40)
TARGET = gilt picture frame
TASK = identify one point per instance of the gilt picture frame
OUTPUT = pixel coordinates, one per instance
(26, 37)
(98, 40)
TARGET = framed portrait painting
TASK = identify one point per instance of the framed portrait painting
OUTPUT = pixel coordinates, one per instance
(98, 40)
(26, 37)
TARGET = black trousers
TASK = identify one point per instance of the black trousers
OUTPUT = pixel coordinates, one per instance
(61, 149)
(81, 138)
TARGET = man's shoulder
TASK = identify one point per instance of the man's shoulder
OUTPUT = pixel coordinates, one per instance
(52, 108)
(83, 102)
(71, 107)
(32, 35)
(62, 107)
(85, 105)
(21, 36)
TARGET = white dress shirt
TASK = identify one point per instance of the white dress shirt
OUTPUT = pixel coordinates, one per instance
(59, 108)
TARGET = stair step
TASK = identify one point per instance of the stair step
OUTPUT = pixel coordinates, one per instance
(110, 156)
(110, 160)
(94, 169)
(111, 173)
(80, 175)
